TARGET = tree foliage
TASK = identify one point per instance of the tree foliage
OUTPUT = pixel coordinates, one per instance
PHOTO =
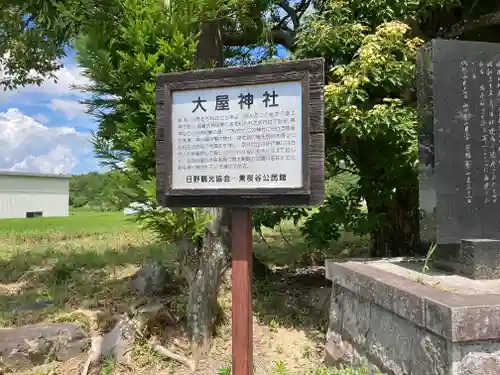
(34, 34)
(122, 59)
(110, 191)
(369, 47)
(370, 120)
(370, 115)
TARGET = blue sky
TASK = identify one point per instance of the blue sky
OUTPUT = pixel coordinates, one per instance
(45, 129)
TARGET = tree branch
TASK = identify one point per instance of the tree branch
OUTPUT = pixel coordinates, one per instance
(291, 13)
(27, 23)
(280, 34)
(294, 14)
(160, 349)
(474, 5)
(489, 19)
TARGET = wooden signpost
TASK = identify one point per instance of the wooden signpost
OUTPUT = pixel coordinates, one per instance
(241, 137)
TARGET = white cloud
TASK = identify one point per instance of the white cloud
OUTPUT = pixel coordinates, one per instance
(28, 146)
(58, 161)
(71, 108)
(67, 76)
(40, 117)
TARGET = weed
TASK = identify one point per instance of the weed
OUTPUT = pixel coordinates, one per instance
(273, 325)
(430, 253)
(425, 268)
(108, 367)
(307, 352)
(280, 368)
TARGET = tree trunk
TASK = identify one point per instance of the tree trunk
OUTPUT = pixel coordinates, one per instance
(205, 263)
(399, 232)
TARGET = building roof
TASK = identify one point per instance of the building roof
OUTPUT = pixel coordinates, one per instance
(22, 174)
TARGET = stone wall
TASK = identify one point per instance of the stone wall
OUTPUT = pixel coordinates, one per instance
(398, 326)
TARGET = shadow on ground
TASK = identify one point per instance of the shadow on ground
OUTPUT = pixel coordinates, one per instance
(22, 264)
(296, 294)
(295, 299)
(42, 283)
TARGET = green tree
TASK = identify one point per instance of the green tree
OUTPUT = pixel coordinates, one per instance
(371, 120)
(110, 191)
(372, 124)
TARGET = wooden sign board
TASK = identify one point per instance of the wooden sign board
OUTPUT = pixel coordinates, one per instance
(241, 136)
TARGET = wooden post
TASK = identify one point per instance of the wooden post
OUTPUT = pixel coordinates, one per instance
(242, 320)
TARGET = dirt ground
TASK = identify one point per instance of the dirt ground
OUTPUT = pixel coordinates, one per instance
(284, 336)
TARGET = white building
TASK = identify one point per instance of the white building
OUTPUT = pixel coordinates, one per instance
(32, 195)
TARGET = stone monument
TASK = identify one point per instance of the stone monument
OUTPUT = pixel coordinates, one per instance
(395, 316)
(459, 149)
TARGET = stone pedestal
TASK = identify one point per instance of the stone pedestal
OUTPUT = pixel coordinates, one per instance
(483, 258)
(475, 258)
(387, 322)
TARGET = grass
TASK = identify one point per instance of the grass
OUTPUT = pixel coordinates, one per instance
(67, 263)
(77, 224)
(60, 269)
(287, 248)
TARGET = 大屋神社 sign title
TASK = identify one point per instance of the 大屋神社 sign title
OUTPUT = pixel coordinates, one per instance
(241, 136)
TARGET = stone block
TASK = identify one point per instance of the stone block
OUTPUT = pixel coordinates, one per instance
(29, 346)
(372, 323)
(483, 258)
(480, 364)
(390, 340)
(429, 354)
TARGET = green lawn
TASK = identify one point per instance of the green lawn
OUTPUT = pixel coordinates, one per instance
(76, 223)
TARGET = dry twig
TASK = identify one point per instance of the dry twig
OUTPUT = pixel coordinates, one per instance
(160, 349)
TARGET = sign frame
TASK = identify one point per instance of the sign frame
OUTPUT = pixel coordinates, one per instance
(310, 74)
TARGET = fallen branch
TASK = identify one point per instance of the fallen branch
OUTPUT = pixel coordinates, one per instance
(160, 349)
(150, 312)
(94, 355)
(181, 345)
(132, 328)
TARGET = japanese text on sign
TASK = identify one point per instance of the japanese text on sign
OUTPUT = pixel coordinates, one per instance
(243, 137)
